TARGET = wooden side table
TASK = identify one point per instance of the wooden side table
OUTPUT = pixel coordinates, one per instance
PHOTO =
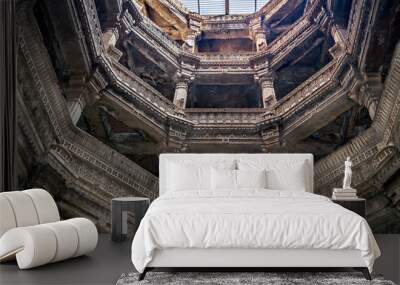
(357, 205)
(119, 214)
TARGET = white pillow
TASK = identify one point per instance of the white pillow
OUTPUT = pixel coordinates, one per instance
(223, 179)
(291, 178)
(251, 178)
(281, 174)
(184, 178)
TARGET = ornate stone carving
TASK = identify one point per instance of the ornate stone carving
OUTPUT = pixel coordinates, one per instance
(74, 153)
(190, 42)
(339, 47)
(77, 96)
(372, 147)
(368, 93)
(258, 33)
(96, 172)
(110, 37)
(271, 139)
(316, 86)
(183, 77)
(181, 92)
(268, 91)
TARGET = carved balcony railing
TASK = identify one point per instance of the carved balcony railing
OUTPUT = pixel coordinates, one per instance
(149, 31)
(142, 89)
(225, 23)
(224, 60)
(270, 7)
(288, 46)
(179, 6)
(306, 90)
(233, 69)
(178, 9)
(224, 116)
(286, 38)
(153, 30)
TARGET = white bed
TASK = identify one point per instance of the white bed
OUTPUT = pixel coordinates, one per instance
(198, 223)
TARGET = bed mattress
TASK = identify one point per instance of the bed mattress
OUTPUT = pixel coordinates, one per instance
(250, 219)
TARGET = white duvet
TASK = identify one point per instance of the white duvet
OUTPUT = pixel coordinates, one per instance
(250, 219)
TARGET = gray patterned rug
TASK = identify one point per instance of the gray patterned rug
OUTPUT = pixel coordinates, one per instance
(243, 278)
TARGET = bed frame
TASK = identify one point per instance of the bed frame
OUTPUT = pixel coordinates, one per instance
(242, 259)
(250, 259)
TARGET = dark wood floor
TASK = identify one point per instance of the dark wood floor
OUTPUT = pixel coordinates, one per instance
(110, 260)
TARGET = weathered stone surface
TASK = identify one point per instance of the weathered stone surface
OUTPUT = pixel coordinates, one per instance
(105, 87)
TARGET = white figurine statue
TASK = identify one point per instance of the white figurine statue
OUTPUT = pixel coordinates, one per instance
(347, 174)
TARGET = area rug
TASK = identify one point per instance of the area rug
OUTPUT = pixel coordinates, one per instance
(244, 278)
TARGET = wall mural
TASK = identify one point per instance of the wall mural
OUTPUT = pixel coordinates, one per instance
(106, 86)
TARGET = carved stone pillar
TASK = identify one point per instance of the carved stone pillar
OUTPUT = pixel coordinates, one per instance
(77, 93)
(258, 33)
(110, 38)
(109, 13)
(369, 93)
(75, 108)
(267, 91)
(339, 48)
(181, 92)
(260, 39)
(190, 42)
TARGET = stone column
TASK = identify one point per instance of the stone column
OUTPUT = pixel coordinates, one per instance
(368, 94)
(268, 92)
(76, 94)
(339, 48)
(190, 42)
(181, 92)
(258, 33)
(110, 37)
(260, 39)
(75, 108)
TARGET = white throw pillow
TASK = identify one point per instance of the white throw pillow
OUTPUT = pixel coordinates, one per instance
(183, 178)
(292, 178)
(281, 174)
(251, 178)
(223, 179)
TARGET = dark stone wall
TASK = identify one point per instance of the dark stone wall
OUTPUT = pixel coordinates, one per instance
(224, 96)
(225, 45)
